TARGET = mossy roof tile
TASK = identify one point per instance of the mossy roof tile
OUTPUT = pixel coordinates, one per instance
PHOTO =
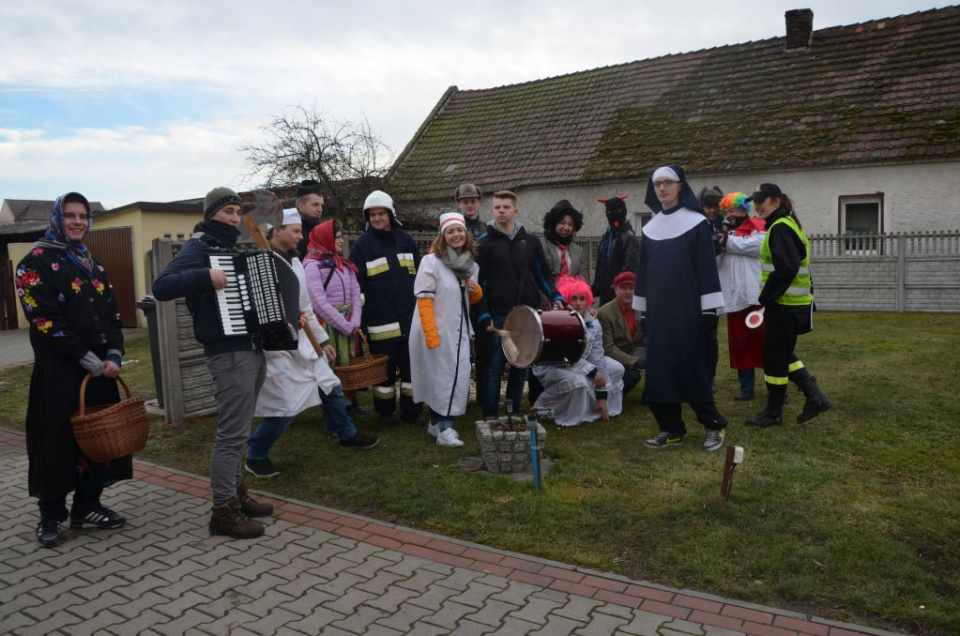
(880, 91)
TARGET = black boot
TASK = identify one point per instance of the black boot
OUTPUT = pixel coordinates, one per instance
(816, 402)
(772, 414)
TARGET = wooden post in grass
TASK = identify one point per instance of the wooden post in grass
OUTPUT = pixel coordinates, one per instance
(734, 457)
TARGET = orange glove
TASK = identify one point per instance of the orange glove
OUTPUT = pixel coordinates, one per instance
(425, 305)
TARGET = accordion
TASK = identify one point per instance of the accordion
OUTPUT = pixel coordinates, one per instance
(262, 298)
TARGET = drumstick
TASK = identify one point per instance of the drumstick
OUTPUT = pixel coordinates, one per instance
(509, 347)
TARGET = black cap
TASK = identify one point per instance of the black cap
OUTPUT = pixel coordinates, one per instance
(765, 191)
(308, 186)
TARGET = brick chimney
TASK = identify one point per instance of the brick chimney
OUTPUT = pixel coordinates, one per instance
(799, 28)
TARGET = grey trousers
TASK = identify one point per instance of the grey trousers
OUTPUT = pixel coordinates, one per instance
(237, 377)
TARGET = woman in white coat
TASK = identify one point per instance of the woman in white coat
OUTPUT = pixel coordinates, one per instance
(445, 286)
(292, 378)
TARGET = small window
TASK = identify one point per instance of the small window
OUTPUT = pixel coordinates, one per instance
(861, 219)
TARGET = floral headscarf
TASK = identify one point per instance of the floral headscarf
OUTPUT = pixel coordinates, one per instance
(56, 237)
(323, 246)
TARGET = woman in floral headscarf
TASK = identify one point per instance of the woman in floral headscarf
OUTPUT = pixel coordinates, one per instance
(74, 330)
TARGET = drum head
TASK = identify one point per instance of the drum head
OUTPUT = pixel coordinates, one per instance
(526, 333)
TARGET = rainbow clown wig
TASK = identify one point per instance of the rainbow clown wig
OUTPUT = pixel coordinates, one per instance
(568, 286)
(736, 201)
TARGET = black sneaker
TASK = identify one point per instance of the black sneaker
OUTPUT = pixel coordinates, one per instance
(363, 442)
(355, 409)
(664, 440)
(48, 533)
(103, 518)
(261, 468)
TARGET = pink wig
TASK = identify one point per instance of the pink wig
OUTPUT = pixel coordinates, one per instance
(568, 286)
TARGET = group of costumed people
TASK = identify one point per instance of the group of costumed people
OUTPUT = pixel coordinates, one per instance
(659, 301)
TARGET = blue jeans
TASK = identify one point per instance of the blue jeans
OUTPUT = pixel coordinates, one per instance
(268, 432)
(493, 373)
(335, 408)
(747, 379)
(442, 421)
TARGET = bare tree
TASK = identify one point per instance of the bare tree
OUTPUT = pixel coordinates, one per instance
(347, 158)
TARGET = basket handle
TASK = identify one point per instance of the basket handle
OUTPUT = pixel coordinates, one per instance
(364, 345)
(83, 392)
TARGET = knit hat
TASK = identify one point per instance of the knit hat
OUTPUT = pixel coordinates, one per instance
(468, 191)
(308, 186)
(449, 219)
(710, 197)
(217, 198)
(380, 199)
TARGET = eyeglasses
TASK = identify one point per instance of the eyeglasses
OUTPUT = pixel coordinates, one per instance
(665, 183)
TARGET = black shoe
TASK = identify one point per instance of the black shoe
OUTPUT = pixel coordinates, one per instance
(363, 442)
(261, 468)
(765, 419)
(355, 409)
(664, 440)
(48, 533)
(103, 518)
(817, 402)
(388, 420)
(743, 396)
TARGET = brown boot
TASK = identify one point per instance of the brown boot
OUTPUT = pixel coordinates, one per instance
(250, 506)
(228, 519)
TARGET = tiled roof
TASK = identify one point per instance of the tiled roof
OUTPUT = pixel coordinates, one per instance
(885, 91)
(37, 210)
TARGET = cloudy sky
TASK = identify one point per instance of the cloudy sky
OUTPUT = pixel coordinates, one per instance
(133, 100)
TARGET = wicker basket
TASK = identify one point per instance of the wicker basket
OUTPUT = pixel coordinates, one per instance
(110, 431)
(366, 371)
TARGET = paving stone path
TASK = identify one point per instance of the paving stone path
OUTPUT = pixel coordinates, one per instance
(319, 571)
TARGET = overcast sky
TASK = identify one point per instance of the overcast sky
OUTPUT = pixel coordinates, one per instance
(132, 100)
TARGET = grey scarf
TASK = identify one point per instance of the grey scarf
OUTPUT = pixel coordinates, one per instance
(460, 264)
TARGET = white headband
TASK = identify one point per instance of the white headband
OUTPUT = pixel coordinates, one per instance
(448, 219)
(665, 171)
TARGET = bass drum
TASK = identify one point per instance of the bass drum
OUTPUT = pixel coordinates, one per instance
(556, 337)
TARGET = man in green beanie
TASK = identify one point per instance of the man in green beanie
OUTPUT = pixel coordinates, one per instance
(236, 362)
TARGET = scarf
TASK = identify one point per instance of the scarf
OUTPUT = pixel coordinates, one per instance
(323, 246)
(460, 264)
(222, 232)
(55, 237)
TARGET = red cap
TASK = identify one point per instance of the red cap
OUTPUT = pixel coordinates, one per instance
(625, 278)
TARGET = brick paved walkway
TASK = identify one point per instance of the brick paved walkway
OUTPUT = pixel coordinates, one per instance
(318, 571)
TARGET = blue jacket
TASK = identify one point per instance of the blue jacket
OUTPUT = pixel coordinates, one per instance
(387, 265)
(188, 276)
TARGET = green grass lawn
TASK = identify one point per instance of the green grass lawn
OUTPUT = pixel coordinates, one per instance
(855, 516)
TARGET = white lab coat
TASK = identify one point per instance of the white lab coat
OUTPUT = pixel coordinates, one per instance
(739, 269)
(441, 376)
(290, 386)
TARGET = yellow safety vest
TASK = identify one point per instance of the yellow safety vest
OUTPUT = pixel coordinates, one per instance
(799, 292)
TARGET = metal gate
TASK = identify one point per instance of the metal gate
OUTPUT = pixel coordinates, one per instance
(114, 248)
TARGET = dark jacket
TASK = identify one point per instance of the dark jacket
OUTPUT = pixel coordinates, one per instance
(387, 265)
(513, 272)
(622, 255)
(188, 276)
(787, 250)
(71, 313)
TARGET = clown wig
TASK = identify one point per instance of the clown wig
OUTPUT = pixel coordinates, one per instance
(568, 286)
(736, 201)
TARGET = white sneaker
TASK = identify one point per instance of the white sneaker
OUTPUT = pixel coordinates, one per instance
(449, 437)
(433, 429)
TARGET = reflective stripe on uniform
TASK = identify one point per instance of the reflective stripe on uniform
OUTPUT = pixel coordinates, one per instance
(377, 266)
(768, 267)
(385, 332)
(406, 260)
(385, 392)
(794, 366)
(798, 291)
(406, 388)
(778, 381)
